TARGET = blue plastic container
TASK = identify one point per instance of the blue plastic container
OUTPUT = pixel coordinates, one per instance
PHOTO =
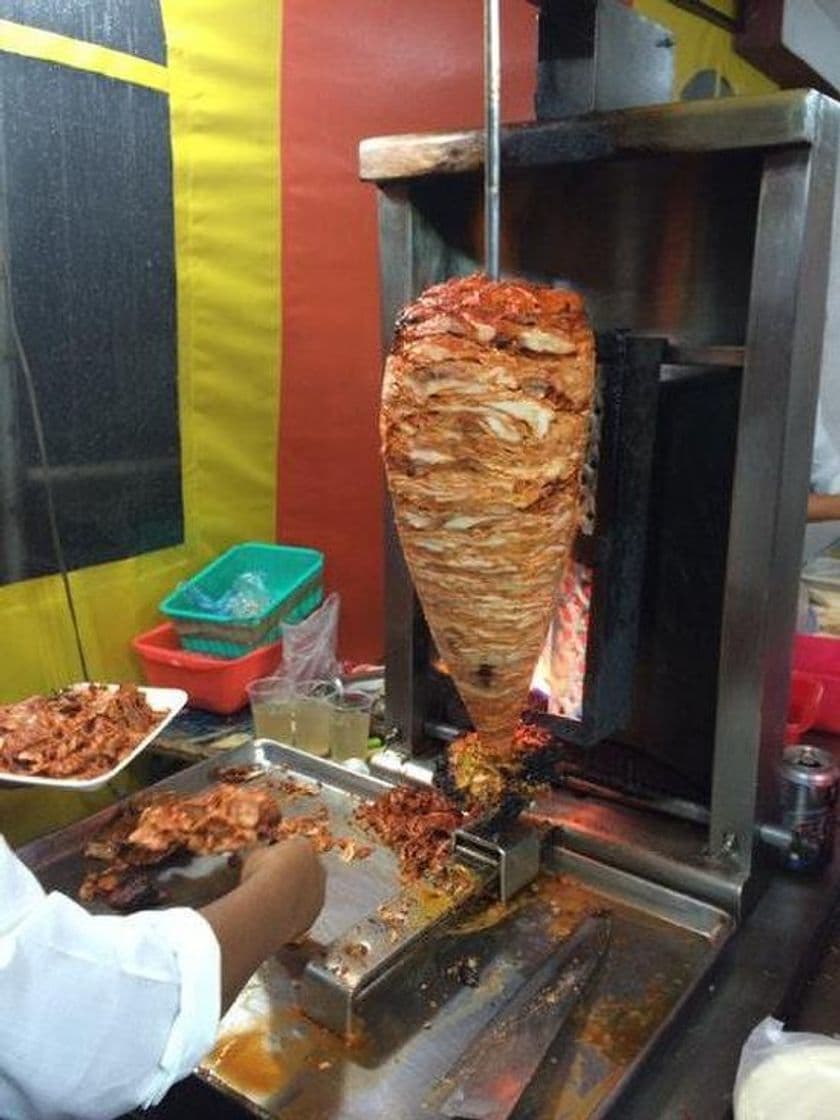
(294, 578)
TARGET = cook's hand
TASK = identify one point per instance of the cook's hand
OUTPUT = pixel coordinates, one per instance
(289, 873)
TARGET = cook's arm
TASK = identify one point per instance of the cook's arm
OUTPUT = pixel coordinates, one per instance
(278, 899)
(101, 1013)
(824, 507)
(824, 501)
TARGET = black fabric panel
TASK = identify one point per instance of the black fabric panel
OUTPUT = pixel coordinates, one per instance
(132, 26)
(91, 244)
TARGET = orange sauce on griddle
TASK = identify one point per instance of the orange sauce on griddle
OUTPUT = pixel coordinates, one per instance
(247, 1062)
(269, 1059)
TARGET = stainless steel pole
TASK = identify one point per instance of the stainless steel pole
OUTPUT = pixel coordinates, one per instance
(493, 139)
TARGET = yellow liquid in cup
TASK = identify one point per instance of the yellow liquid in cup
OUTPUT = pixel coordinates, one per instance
(275, 720)
(313, 726)
(350, 733)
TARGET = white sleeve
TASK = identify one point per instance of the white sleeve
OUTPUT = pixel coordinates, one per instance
(99, 1014)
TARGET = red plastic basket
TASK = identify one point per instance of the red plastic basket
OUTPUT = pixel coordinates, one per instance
(806, 693)
(216, 684)
(820, 657)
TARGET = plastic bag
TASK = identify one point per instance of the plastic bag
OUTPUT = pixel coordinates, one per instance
(309, 647)
(784, 1074)
(806, 620)
(247, 597)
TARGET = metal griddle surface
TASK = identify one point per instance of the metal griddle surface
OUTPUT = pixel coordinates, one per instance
(274, 1062)
(279, 1064)
(353, 889)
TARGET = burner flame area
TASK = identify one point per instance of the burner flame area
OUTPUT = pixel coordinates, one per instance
(560, 675)
(541, 688)
(557, 686)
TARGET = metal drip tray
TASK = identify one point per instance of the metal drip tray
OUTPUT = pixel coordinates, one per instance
(415, 1025)
(277, 1063)
(470, 954)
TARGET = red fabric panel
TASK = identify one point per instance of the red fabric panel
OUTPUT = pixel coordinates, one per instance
(349, 71)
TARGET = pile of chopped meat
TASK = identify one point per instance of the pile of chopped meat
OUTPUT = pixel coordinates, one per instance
(80, 733)
(122, 887)
(316, 828)
(483, 776)
(417, 824)
(224, 819)
(109, 842)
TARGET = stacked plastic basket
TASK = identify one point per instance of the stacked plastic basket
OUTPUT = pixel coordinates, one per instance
(214, 653)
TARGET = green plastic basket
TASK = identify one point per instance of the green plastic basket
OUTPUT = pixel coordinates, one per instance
(294, 577)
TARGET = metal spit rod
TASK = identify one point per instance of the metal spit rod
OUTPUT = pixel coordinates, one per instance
(493, 136)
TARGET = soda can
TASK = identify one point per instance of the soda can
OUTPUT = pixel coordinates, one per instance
(808, 790)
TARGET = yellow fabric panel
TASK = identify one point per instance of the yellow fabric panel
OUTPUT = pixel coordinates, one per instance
(28, 813)
(223, 69)
(224, 72)
(702, 46)
(725, 7)
(113, 601)
(32, 42)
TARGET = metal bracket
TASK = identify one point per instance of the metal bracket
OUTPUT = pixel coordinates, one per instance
(514, 852)
(333, 988)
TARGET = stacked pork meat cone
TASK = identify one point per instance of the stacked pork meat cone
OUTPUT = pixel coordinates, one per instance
(485, 414)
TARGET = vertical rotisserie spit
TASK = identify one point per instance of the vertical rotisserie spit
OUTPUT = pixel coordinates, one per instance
(485, 418)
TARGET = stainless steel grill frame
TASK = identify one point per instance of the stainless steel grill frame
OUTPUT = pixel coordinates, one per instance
(742, 195)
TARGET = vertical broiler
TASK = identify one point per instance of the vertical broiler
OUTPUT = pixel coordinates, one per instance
(699, 236)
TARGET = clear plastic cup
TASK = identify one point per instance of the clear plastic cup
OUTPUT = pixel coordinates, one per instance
(273, 709)
(350, 725)
(313, 716)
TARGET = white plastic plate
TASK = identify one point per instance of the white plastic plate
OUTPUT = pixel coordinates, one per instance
(167, 701)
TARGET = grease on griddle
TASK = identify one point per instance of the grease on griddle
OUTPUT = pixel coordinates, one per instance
(620, 1029)
(237, 775)
(357, 950)
(465, 971)
(248, 1062)
(270, 1057)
